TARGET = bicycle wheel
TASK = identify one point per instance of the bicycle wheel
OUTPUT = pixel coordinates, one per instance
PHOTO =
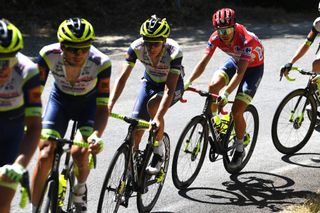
(190, 152)
(49, 198)
(153, 184)
(251, 117)
(291, 128)
(67, 202)
(114, 185)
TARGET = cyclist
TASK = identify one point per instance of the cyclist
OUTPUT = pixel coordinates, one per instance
(162, 83)
(20, 107)
(304, 48)
(243, 69)
(80, 91)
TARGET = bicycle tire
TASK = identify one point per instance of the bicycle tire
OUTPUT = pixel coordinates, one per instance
(68, 206)
(49, 201)
(154, 183)
(251, 117)
(183, 153)
(110, 198)
(281, 122)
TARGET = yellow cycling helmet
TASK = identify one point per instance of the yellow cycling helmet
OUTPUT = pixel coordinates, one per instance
(75, 30)
(10, 38)
(155, 27)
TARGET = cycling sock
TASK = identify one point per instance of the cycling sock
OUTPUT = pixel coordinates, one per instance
(33, 208)
(159, 149)
(80, 188)
(239, 145)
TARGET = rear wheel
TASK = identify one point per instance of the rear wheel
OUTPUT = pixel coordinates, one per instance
(190, 152)
(251, 117)
(114, 185)
(153, 184)
(292, 127)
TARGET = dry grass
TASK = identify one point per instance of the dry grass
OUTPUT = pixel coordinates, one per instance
(311, 205)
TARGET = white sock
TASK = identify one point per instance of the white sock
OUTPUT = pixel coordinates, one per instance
(80, 188)
(159, 149)
(239, 145)
(33, 208)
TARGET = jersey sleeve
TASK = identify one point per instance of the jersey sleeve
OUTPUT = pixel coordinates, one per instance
(43, 70)
(103, 84)
(131, 57)
(176, 59)
(316, 25)
(32, 93)
(212, 44)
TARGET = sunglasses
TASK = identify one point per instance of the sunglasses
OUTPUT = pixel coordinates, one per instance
(77, 50)
(153, 44)
(225, 31)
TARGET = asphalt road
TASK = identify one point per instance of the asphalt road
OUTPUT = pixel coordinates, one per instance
(270, 181)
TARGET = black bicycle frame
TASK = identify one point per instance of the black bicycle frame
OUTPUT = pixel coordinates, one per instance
(216, 141)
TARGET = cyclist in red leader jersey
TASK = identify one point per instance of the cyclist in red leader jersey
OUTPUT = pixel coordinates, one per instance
(243, 69)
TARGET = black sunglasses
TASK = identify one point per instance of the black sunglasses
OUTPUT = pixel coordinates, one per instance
(153, 44)
(77, 50)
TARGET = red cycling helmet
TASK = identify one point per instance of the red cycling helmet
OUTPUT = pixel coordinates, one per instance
(224, 17)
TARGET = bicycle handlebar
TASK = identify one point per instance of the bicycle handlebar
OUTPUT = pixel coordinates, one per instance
(66, 141)
(300, 70)
(204, 94)
(142, 123)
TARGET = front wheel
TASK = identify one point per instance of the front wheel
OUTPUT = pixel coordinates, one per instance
(153, 184)
(49, 200)
(114, 185)
(291, 126)
(190, 152)
(251, 118)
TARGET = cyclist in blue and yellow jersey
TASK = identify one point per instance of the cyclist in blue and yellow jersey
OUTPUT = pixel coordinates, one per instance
(243, 70)
(80, 92)
(20, 111)
(162, 83)
(304, 48)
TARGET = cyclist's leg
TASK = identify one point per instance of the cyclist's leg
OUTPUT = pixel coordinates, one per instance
(54, 123)
(11, 136)
(140, 109)
(85, 115)
(316, 63)
(153, 106)
(246, 91)
(221, 78)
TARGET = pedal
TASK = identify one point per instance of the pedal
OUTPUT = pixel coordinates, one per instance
(213, 154)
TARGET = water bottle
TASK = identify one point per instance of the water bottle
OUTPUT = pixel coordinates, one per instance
(216, 120)
(62, 189)
(225, 123)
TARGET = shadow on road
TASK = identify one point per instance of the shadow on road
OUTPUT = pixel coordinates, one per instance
(310, 160)
(260, 189)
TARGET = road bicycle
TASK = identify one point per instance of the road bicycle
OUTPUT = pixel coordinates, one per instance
(296, 116)
(127, 172)
(59, 185)
(192, 144)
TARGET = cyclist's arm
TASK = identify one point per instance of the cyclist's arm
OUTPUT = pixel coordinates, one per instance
(119, 85)
(30, 140)
(304, 47)
(103, 88)
(33, 107)
(200, 67)
(168, 94)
